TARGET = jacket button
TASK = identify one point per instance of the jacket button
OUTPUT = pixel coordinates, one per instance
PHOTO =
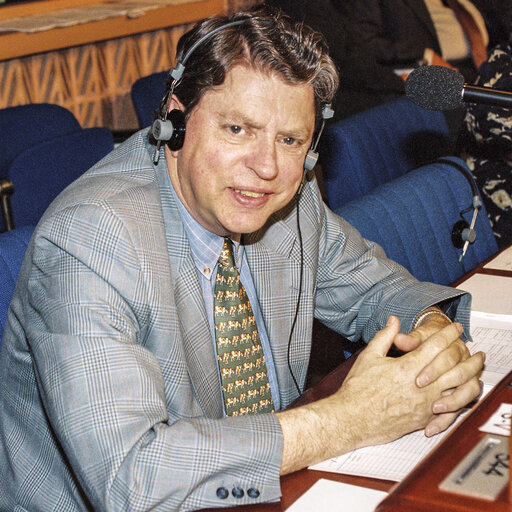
(253, 493)
(222, 493)
(237, 492)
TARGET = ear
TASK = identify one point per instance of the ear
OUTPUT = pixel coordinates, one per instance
(175, 103)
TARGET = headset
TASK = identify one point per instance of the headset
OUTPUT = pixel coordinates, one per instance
(170, 128)
(463, 233)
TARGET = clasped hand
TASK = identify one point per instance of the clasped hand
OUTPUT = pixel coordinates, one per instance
(425, 388)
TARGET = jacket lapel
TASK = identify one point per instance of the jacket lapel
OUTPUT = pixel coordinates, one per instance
(197, 340)
(420, 10)
(278, 251)
(190, 310)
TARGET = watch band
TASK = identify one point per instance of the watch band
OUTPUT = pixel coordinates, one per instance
(419, 319)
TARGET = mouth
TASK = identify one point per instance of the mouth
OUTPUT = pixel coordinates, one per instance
(249, 193)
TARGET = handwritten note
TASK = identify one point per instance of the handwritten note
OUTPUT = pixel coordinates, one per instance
(499, 422)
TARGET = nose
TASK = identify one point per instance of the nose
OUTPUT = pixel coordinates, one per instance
(263, 159)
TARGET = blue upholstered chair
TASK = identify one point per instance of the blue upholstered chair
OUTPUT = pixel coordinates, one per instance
(412, 218)
(147, 93)
(42, 171)
(12, 249)
(24, 126)
(372, 147)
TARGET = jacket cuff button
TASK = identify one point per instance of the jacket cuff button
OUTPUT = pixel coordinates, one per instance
(222, 493)
(253, 493)
(237, 492)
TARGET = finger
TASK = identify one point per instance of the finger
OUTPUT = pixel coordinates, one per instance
(433, 324)
(440, 423)
(407, 342)
(462, 372)
(459, 397)
(444, 361)
(431, 348)
(384, 339)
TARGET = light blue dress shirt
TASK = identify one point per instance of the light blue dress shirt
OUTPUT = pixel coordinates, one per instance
(206, 247)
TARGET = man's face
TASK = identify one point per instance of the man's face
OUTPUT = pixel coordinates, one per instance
(244, 151)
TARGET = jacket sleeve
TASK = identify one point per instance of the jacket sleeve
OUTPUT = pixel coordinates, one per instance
(104, 393)
(358, 287)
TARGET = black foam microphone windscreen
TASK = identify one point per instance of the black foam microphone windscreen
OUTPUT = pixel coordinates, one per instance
(442, 88)
(435, 87)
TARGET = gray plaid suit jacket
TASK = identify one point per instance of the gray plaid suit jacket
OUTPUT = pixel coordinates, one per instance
(110, 396)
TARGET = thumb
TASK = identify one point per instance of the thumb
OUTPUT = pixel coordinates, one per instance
(407, 342)
(385, 338)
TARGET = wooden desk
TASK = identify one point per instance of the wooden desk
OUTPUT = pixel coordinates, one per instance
(417, 490)
(420, 492)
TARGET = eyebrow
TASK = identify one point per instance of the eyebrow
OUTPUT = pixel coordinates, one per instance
(238, 117)
(235, 116)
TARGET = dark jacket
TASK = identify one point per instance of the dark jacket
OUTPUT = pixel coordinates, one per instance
(395, 32)
(363, 81)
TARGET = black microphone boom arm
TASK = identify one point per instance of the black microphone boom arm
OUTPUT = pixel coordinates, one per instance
(486, 96)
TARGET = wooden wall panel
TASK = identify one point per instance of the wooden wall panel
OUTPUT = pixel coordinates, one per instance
(94, 80)
(239, 5)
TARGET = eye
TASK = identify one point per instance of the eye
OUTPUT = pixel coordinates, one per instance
(235, 129)
(289, 141)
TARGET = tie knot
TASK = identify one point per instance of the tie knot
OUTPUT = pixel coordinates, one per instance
(227, 258)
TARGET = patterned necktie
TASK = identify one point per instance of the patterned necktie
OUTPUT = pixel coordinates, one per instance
(468, 23)
(242, 366)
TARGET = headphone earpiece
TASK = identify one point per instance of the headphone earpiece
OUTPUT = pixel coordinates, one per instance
(312, 155)
(170, 130)
(462, 233)
(310, 161)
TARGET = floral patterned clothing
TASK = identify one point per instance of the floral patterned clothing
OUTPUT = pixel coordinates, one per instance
(487, 144)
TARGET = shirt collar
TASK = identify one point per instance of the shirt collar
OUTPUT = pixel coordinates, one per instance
(205, 245)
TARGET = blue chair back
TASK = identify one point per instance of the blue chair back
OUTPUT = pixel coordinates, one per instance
(24, 126)
(41, 172)
(147, 93)
(412, 218)
(372, 147)
(12, 249)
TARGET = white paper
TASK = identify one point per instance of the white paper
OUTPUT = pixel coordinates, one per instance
(491, 294)
(491, 334)
(390, 461)
(501, 262)
(330, 496)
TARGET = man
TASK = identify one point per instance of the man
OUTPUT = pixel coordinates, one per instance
(375, 43)
(364, 82)
(401, 34)
(117, 398)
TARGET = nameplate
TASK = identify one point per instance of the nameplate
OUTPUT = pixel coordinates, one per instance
(483, 472)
